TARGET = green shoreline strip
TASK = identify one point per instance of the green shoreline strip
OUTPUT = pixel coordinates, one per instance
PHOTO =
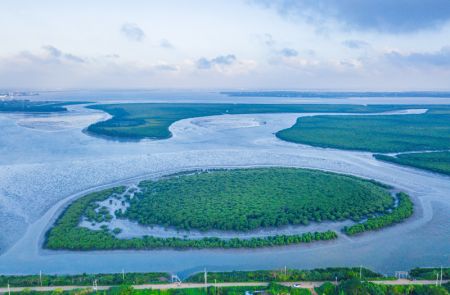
(376, 133)
(438, 162)
(403, 211)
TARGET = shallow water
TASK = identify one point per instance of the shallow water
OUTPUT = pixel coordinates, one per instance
(40, 169)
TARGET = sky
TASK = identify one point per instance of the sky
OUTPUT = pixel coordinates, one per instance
(379, 45)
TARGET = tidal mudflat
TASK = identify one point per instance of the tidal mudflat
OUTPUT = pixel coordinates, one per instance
(41, 171)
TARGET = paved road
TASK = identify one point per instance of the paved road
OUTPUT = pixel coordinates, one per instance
(306, 285)
(146, 286)
(408, 282)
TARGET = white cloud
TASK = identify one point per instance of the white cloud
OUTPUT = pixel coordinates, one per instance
(164, 43)
(132, 32)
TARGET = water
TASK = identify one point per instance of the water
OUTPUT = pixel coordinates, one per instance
(211, 96)
(46, 160)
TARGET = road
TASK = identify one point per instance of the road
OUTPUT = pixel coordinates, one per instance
(146, 286)
(305, 284)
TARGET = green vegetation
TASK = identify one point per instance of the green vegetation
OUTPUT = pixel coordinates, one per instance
(247, 199)
(348, 287)
(28, 106)
(356, 287)
(291, 275)
(272, 289)
(237, 200)
(349, 282)
(84, 279)
(69, 236)
(379, 133)
(196, 291)
(277, 289)
(429, 273)
(95, 213)
(152, 120)
(66, 234)
(404, 210)
(67, 223)
(433, 161)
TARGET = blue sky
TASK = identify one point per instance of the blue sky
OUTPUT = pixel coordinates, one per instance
(242, 44)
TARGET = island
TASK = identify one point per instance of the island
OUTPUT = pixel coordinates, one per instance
(229, 200)
(372, 133)
(136, 121)
(415, 140)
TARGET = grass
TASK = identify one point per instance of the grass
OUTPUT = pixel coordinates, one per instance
(134, 121)
(379, 133)
(433, 161)
(248, 199)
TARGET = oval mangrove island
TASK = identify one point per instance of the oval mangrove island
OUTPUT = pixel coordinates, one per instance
(231, 200)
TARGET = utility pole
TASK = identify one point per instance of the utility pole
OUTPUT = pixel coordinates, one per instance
(94, 285)
(40, 277)
(360, 272)
(440, 283)
(123, 275)
(9, 289)
(206, 281)
(437, 279)
(285, 270)
(215, 286)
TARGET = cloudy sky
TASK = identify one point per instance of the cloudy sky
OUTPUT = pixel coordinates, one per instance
(278, 44)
